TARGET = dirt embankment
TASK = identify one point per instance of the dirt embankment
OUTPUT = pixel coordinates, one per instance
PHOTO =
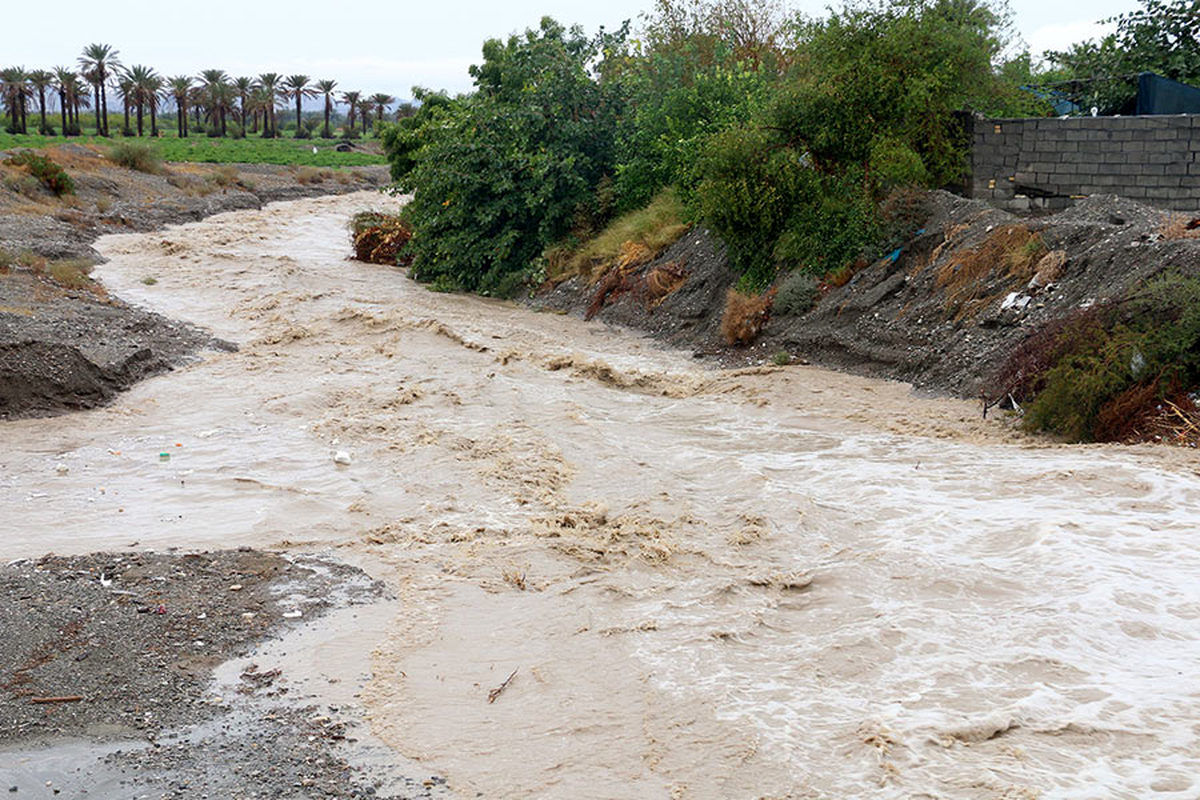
(944, 314)
(64, 343)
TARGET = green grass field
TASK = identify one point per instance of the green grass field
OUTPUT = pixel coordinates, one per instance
(251, 150)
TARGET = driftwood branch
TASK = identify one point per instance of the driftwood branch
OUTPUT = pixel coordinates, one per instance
(494, 693)
(71, 698)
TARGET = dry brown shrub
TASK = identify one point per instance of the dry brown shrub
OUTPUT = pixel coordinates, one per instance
(662, 281)
(1180, 226)
(634, 254)
(381, 242)
(1050, 267)
(1124, 418)
(615, 283)
(745, 316)
(965, 276)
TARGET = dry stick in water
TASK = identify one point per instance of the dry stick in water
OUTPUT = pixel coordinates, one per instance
(494, 693)
(73, 698)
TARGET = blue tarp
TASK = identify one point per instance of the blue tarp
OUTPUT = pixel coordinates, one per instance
(1158, 95)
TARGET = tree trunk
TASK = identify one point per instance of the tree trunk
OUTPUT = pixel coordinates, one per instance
(99, 130)
(42, 105)
(62, 108)
(154, 118)
(298, 96)
(103, 110)
(327, 134)
(139, 116)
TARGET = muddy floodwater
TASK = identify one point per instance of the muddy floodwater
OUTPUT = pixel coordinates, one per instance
(774, 582)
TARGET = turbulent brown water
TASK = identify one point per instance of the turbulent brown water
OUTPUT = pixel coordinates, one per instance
(765, 583)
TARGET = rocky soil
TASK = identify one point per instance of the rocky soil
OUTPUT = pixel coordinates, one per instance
(944, 315)
(106, 679)
(67, 345)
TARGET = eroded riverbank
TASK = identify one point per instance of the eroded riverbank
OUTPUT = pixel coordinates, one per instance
(773, 582)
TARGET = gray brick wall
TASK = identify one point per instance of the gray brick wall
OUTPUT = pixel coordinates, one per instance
(1152, 159)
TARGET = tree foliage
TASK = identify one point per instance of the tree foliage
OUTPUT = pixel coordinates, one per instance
(1162, 36)
(502, 173)
(781, 132)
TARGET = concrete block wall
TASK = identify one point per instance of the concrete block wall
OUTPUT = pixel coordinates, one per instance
(1047, 162)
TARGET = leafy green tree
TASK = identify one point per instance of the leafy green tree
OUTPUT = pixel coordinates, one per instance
(504, 172)
(1163, 36)
(402, 140)
(869, 102)
(98, 63)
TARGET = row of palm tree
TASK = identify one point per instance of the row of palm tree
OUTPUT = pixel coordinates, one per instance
(212, 98)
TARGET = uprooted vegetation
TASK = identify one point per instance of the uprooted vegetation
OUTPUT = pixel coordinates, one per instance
(380, 238)
(745, 316)
(1126, 370)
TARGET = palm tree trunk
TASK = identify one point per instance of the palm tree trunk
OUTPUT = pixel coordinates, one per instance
(62, 108)
(327, 134)
(104, 106)
(42, 105)
(139, 116)
(154, 117)
(298, 112)
(126, 104)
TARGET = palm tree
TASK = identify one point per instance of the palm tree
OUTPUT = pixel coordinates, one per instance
(63, 77)
(296, 87)
(39, 81)
(70, 95)
(242, 86)
(179, 86)
(216, 85)
(351, 99)
(98, 62)
(326, 88)
(145, 85)
(381, 102)
(124, 87)
(270, 84)
(15, 87)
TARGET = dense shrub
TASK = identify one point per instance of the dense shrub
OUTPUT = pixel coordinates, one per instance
(49, 173)
(503, 173)
(797, 294)
(1095, 374)
(136, 156)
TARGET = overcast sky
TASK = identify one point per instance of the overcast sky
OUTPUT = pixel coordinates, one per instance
(371, 45)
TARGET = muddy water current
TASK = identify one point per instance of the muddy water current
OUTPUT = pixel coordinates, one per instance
(773, 582)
